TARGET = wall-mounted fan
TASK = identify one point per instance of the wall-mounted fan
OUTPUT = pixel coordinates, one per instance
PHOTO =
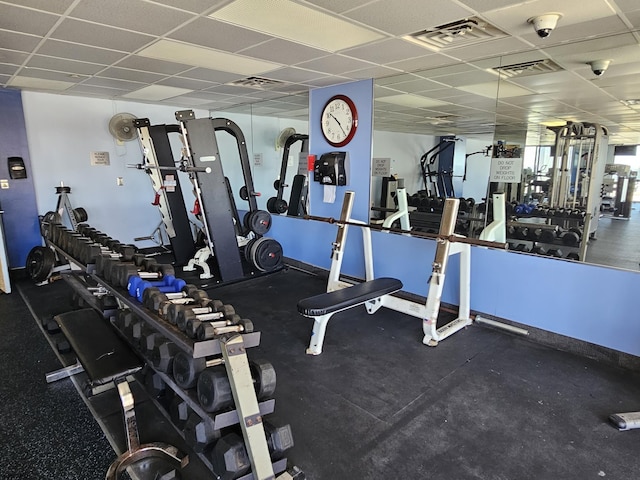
(122, 128)
(283, 135)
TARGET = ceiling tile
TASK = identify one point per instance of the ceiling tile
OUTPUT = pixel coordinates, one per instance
(63, 65)
(25, 20)
(467, 78)
(634, 18)
(9, 56)
(500, 46)
(386, 51)
(205, 57)
(293, 74)
(17, 41)
(39, 83)
(487, 5)
(8, 69)
(372, 72)
(283, 51)
(156, 92)
(53, 6)
(232, 90)
(48, 75)
(211, 75)
(189, 83)
(4, 79)
(218, 35)
(134, 15)
(334, 64)
(338, 6)
(133, 75)
(326, 81)
(112, 83)
(422, 63)
(136, 62)
(407, 16)
(99, 36)
(196, 6)
(83, 53)
(83, 89)
(296, 22)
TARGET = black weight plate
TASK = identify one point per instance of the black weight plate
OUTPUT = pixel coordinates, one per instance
(80, 214)
(547, 236)
(271, 205)
(244, 193)
(40, 262)
(276, 184)
(281, 206)
(259, 222)
(247, 249)
(570, 239)
(266, 254)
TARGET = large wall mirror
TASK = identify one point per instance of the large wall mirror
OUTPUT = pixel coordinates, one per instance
(486, 109)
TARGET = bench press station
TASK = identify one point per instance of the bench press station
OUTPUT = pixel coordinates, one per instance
(378, 292)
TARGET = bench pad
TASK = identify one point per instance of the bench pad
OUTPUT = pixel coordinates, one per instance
(101, 352)
(330, 302)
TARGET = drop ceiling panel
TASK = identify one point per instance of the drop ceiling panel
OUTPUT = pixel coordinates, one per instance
(634, 18)
(337, 6)
(133, 75)
(334, 64)
(488, 49)
(189, 83)
(63, 65)
(326, 81)
(283, 51)
(48, 75)
(468, 78)
(15, 58)
(372, 72)
(99, 36)
(293, 74)
(83, 53)
(487, 5)
(386, 51)
(25, 20)
(296, 22)
(210, 75)
(156, 92)
(588, 49)
(407, 16)
(534, 81)
(7, 69)
(54, 6)
(218, 35)
(134, 15)
(196, 6)
(417, 85)
(39, 84)
(422, 63)
(17, 41)
(112, 83)
(137, 62)
(83, 89)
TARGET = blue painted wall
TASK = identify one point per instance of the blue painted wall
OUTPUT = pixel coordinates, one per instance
(21, 226)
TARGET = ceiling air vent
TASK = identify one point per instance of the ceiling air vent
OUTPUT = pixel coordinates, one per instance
(259, 83)
(456, 34)
(528, 68)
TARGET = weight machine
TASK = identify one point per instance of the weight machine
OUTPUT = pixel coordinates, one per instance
(442, 186)
(577, 173)
(298, 197)
(224, 232)
(159, 164)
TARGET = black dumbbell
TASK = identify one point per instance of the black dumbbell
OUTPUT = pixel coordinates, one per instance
(547, 235)
(214, 388)
(229, 454)
(573, 256)
(178, 411)
(555, 252)
(162, 356)
(209, 330)
(570, 238)
(186, 369)
(154, 384)
(208, 310)
(539, 250)
(161, 302)
(199, 433)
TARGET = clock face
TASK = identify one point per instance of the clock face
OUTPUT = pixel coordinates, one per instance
(339, 120)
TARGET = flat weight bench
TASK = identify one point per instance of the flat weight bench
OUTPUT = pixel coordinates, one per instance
(106, 358)
(322, 307)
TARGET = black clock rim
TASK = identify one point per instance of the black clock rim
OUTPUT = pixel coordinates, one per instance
(354, 114)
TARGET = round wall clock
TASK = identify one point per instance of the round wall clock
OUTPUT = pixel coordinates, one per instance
(339, 120)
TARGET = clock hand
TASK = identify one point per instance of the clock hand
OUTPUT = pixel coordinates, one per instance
(338, 122)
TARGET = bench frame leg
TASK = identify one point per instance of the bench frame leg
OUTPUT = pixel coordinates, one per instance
(317, 335)
(65, 372)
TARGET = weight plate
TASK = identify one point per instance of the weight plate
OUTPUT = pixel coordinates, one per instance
(247, 249)
(259, 222)
(244, 193)
(80, 214)
(271, 205)
(266, 254)
(280, 206)
(40, 262)
(276, 184)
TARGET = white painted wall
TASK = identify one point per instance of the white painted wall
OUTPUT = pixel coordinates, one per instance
(478, 166)
(62, 131)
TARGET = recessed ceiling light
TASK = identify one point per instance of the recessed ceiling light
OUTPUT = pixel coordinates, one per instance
(295, 22)
(630, 102)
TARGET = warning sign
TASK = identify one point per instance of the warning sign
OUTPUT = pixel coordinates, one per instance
(506, 170)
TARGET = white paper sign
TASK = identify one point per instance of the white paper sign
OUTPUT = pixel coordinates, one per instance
(257, 159)
(100, 158)
(506, 170)
(381, 167)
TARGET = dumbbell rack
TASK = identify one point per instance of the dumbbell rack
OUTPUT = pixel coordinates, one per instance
(235, 361)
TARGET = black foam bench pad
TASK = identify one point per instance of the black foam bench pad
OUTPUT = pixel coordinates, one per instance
(101, 352)
(348, 297)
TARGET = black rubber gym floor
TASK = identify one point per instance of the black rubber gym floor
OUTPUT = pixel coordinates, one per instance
(376, 404)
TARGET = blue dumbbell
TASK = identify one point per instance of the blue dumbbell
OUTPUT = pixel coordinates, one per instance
(135, 280)
(177, 285)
